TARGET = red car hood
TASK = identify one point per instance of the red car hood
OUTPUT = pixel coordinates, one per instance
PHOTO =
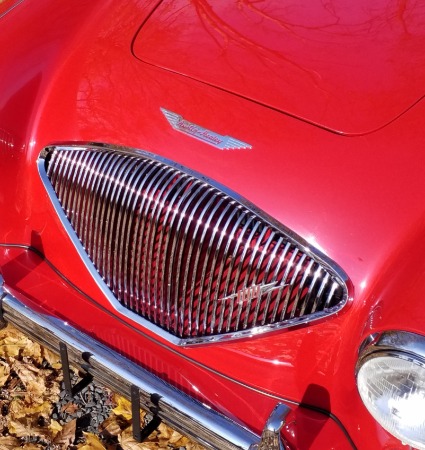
(317, 61)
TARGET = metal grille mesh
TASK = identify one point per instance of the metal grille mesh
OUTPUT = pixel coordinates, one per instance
(180, 253)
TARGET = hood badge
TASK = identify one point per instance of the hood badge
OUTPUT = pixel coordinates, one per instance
(201, 133)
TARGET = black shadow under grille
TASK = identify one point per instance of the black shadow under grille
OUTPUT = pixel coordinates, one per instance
(184, 255)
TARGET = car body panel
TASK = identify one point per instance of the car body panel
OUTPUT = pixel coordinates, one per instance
(305, 59)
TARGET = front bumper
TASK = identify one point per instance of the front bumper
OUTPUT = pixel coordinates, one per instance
(175, 408)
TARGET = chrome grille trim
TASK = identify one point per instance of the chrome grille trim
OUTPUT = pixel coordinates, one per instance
(182, 255)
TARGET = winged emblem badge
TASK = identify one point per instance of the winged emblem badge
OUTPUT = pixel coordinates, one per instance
(203, 134)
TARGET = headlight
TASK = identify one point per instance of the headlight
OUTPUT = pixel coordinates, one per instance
(391, 383)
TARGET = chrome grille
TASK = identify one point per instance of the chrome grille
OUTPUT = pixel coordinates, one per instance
(181, 253)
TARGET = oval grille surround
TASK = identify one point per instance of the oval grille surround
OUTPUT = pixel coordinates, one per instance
(181, 253)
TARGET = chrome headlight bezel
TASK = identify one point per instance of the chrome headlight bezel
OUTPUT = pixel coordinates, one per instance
(390, 377)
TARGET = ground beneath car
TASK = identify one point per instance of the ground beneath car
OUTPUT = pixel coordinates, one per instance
(35, 412)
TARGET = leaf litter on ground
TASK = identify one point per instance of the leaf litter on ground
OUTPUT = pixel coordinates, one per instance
(35, 414)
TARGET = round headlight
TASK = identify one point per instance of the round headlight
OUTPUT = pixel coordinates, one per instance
(392, 387)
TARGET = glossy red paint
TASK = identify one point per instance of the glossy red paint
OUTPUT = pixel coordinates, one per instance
(358, 198)
(348, 67)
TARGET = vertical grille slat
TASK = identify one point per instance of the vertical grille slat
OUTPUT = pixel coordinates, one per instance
(99, 219)
(300, 290)
(148, 237)
(180, 253)
(119, 279)
(158, 210)
(107, 214)
(242, 306)
(269, 268)
(195, 278)
(208, 299)
(264, 276)
(306, 302)
(288, 269)
(166, 271)
(110, 231)
(55, 172)
(250, 298)
(128, 220)
(184, 261)
(79, 200)
(172, 307)
(230, 271)
(132, 234)
(139, 242)
(160, 276)
(63, 180)
(199, 241)
(220, 271)
(292, 288)
(318, 300)
(96, 188)
(68, 178)
(88, 200)
(54, 167)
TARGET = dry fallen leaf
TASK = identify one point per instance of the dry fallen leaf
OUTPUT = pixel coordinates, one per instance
(14, 343)
(177, 440)
(127, 442)
(20, 408)
(123, 407)
(113, 425)
(9, 442)
(52, 358)
(92, 443)
(66, 436)
(31, 446)
(193, 446)
(3, 424)
(20, 429)
(34, 384)
(70, 408)
(55, 427)
(4, 373)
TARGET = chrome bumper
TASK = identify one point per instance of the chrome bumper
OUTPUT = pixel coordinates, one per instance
(178, 410)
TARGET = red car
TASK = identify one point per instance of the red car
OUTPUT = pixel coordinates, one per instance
(216, 209)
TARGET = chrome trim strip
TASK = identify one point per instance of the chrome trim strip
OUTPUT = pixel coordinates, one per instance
(190, 417)
(394, 342)
(294, 240)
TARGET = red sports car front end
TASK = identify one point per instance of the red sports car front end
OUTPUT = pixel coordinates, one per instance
(216, 207)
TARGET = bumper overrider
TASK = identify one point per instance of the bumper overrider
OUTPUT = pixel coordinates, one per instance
(175, 408)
